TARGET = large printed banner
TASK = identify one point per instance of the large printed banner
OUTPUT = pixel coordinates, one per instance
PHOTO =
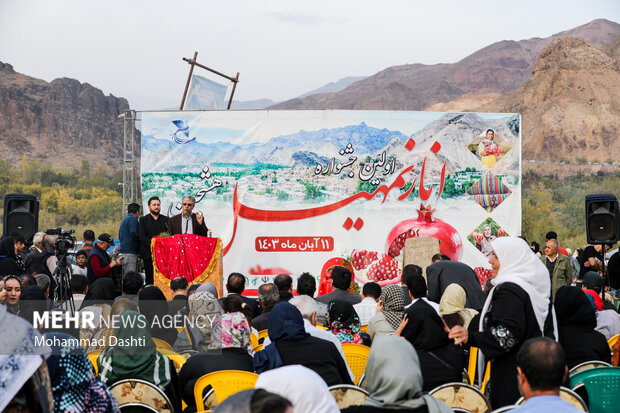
(288, 191)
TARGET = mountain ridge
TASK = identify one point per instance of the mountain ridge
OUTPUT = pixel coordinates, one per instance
(501, 67)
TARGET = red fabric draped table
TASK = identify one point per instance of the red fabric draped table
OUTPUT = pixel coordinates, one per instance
(196, 258)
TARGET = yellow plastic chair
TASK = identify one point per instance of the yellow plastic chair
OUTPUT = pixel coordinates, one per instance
(262, 335)
(487, 376)
(364, 328)
(473, 362)
(176, 358)
(356, 356)
(93, 356)
(224, 384)
(612, 341)
(161, 344)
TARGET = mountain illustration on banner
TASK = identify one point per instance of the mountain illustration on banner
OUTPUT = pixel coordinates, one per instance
(489, 191)
(205, 94)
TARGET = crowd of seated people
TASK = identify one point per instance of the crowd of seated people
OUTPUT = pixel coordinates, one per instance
(419, 336)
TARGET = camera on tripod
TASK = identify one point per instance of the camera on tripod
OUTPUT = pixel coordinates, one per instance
(65, 240)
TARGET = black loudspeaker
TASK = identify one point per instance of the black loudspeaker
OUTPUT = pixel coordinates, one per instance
(602, 219)
(21, 215)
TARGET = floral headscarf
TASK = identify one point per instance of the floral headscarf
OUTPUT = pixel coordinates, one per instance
(344, 322)
(231, 331)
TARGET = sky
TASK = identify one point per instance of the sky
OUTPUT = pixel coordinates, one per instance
(281, 48)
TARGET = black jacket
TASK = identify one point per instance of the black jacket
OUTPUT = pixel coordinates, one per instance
(148, 227)
(177, 302)
(175, 222)
(260, 322)
(319, 355)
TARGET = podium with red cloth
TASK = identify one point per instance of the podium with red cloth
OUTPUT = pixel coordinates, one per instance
(196, 258)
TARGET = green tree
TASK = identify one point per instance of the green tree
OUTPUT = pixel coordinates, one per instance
(85, 168)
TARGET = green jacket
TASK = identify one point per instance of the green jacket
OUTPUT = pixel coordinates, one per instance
(562, 272)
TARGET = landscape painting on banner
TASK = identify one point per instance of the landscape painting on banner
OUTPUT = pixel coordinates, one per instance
(289, 191)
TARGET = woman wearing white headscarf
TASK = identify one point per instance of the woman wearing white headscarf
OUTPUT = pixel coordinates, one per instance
(515, 310)
(394, 380)
(307, 392)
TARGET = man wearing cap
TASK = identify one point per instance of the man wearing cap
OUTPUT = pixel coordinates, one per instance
(592, 285)
(99, 263)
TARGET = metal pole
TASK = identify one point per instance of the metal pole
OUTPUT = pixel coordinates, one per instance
(189, 77)
(603, 273)
(193, 62)
(130, 180)
(235, 81)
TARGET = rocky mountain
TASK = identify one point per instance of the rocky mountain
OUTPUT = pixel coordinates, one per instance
(61, 122)
(500, 68)
(336, 86)
(612, 48)
(570, 105)
(252, 104)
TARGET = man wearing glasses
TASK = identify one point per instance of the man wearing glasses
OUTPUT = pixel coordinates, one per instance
(188, 222)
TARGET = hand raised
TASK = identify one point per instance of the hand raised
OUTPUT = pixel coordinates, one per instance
(401, 327)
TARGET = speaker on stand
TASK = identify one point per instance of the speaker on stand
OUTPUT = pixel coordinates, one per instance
(602, 223)
(21, 215)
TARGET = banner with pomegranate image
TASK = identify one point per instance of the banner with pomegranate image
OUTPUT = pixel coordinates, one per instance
(301, 191)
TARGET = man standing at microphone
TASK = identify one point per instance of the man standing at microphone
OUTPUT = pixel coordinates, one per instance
(187, 222)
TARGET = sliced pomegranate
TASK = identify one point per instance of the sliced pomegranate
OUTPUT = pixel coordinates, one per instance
(361, 259)
(425, 226)
(483, 274)
(384, 271)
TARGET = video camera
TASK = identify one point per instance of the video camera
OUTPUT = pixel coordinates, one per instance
(65, 241)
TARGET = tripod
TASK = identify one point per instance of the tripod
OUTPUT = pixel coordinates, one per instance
(63, 294)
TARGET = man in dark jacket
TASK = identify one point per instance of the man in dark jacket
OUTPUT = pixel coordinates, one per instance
(149, 226)
(235, 286)
(268, 297)
(443, 273)
(178, 288)
(99, 263)
(187, 222)
(341, 280)
(284, 282)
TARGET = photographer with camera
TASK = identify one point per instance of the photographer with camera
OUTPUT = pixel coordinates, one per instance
(99, 262)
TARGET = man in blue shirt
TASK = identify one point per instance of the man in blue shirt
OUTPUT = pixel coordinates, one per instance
(130, 242)
(541, 368)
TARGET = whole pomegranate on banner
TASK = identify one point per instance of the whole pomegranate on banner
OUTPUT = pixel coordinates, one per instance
(304, 191)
